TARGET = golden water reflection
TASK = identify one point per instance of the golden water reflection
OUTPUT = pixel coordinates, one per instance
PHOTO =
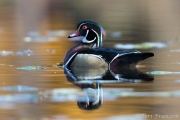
(33, 33)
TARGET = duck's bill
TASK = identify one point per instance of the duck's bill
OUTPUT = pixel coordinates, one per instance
(75, 36)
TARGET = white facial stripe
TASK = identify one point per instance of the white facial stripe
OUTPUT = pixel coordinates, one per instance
(81, 25)
(87, 41)
(87, 33)
(96, 34)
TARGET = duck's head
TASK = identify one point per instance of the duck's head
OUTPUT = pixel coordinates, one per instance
(89, 32)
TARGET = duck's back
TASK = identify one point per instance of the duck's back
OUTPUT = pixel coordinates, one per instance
(107, 57)
(108, 53)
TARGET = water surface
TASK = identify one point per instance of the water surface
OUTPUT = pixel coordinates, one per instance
(33, 87)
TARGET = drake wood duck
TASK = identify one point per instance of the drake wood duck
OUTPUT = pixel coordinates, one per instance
(90, 53)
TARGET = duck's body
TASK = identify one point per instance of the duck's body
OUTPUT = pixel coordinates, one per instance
(106, 57)
(84, 55)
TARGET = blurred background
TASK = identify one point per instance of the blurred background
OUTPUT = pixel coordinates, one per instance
(34, 33)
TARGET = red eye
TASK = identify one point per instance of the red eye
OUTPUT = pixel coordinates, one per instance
(84, 27)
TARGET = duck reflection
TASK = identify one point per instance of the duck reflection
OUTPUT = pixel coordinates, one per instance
(91, 81)
(92, 97)
(101, 75)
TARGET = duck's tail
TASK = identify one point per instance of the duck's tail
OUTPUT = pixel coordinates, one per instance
(131, 59)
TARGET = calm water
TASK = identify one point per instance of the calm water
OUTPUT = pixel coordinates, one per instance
(33, 87)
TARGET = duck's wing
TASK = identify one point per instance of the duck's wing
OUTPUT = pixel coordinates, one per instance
(107, 53)
(118, 57)
(132, 58)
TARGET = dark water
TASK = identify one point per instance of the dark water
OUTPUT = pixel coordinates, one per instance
(32, 87)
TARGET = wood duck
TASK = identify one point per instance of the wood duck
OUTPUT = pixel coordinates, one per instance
(90, 53)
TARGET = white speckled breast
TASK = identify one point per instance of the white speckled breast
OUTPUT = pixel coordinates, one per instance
(88, 60)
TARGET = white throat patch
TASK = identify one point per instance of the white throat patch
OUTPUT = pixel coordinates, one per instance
(84, 40)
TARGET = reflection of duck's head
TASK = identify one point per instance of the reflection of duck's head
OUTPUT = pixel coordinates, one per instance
(89, 32)
(92, 98)
(90, 106)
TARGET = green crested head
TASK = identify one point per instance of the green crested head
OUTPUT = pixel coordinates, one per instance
(89, 32)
